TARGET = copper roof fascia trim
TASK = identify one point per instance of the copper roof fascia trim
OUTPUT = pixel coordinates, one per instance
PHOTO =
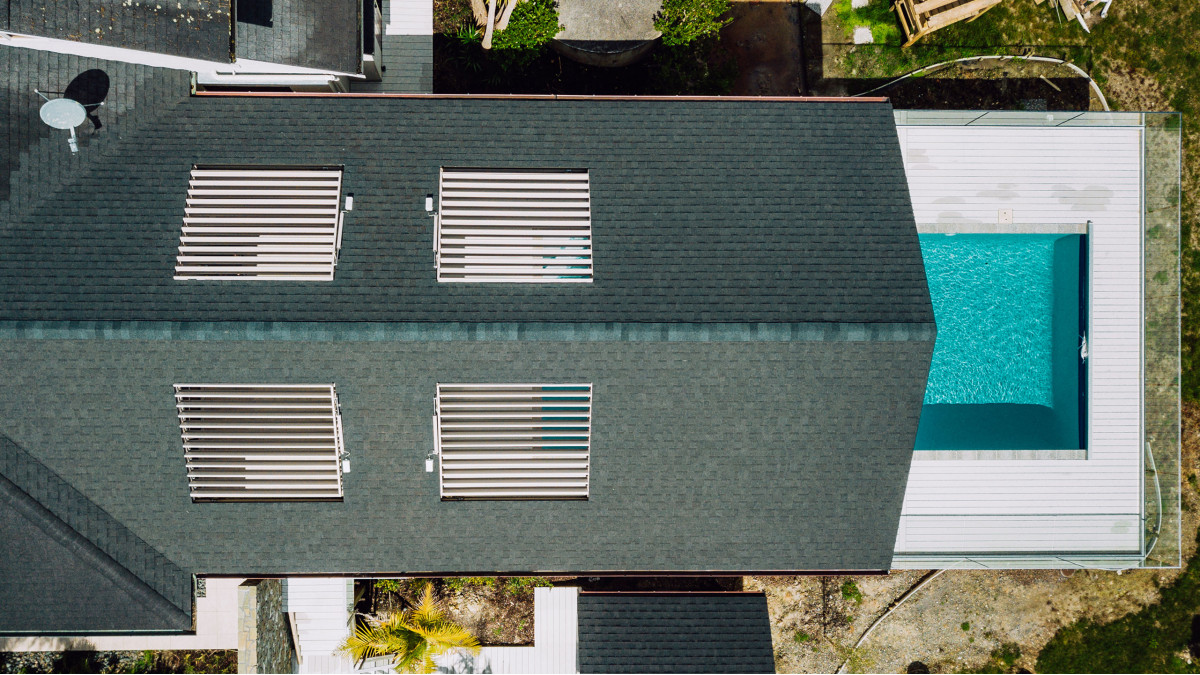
(440, 575)
(543, 97)
(656, 593)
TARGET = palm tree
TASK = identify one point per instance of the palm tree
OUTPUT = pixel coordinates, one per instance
(412, 637)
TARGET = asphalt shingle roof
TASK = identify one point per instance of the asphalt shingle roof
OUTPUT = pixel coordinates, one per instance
(197, 29)
(702, 211)
(674, 633)
(758, 336)
(321, 34)
(77, 570)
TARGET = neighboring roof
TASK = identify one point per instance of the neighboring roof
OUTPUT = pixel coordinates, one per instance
(702, 211)
(35, 160)
(54, 579)
(674, 633)
(322, 34)
(196, 29)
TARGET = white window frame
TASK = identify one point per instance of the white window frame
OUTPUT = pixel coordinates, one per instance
(513, 441)
(513, 226)
(261, 442)
(263, 223)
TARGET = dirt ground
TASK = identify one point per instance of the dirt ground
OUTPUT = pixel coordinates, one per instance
(493, 614)
(955, 622)
(764, 38)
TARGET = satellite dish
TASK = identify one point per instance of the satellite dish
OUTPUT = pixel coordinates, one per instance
(64, 113)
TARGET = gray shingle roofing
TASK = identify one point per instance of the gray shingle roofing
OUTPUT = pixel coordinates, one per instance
(322, 34)
(196, 29)
(758, 336)
(704, 455)
(34, 158)
(108, 577)
(702, 212)
(675, 633)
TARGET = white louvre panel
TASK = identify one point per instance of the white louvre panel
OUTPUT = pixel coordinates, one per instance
(514, 441)
(282, 224)
(261, 441)
(514, 226)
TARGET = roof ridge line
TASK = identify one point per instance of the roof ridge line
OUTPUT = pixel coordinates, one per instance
(21, 474)
(458, 331)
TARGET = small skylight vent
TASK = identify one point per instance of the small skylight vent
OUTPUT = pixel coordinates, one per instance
(261, 441)
(530, 226)
(514, 441)
(265, 223)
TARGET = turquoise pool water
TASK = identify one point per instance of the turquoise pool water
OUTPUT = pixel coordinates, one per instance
(1006, 371)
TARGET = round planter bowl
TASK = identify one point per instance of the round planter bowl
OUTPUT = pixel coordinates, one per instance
(605, 53)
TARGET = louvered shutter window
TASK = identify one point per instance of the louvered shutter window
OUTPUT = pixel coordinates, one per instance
(514, 441)
(261, 441)
(268, 223)
(530, 226)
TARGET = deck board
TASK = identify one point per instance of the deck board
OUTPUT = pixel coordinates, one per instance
(967, 174)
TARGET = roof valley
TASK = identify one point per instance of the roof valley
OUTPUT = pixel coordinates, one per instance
(92, 534)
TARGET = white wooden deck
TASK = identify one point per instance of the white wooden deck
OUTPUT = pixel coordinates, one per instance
(321, 610)
(555, 641)
(1045, 175)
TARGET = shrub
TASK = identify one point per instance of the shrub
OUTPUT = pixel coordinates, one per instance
(532, 25)
(1006, 655)
(966, 626)
(522, 584)
(850, 592)
(683, 21)
(460, 583)
(388, 585)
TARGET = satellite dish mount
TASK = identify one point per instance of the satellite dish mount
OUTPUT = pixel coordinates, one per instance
(63, 113)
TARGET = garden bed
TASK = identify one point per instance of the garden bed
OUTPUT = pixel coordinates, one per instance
(496, 610)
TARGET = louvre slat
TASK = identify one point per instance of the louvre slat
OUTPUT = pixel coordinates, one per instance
(538, 451)
(546, 215)
(283, 222)
(264, 173)
(284, 441)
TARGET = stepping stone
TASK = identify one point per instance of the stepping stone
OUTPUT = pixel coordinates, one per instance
(862, 35)
(613, 21)
(859, 4)
(611, 33)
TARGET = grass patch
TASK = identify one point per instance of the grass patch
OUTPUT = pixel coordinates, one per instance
(802, 637)
(1147, 641)
(878, 16)
(850, 592)
(1003, 660)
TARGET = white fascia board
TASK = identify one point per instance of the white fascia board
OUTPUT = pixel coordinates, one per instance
(208, 72)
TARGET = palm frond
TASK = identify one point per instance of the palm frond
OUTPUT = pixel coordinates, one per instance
(446, 635)
(412, 637)
(427, 611)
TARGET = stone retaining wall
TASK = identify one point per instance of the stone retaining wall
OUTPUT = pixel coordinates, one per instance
(264, 637)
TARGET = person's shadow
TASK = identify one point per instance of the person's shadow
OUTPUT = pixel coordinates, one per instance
(89, 88)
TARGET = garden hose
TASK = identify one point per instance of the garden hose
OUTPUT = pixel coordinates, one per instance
(997, 57)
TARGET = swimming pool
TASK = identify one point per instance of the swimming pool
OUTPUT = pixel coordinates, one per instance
(1006, 372)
